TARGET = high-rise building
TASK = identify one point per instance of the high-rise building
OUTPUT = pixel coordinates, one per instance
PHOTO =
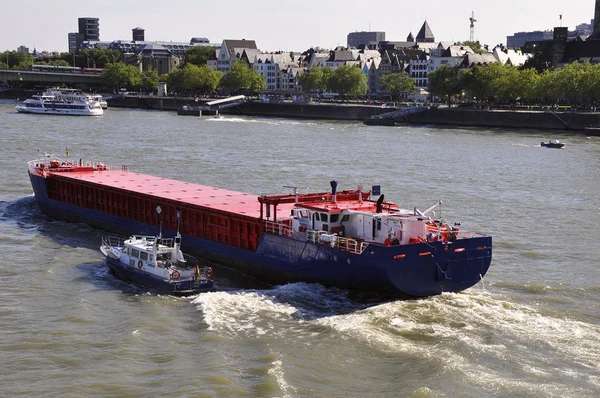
(138, 34)
(89, 28)
(74, 41)
(519, 39)
(355, 39)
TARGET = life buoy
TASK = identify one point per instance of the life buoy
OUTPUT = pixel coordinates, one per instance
(175, 275)
(140, 264)
(208, 272)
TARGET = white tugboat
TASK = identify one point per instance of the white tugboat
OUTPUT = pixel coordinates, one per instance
(157, 262)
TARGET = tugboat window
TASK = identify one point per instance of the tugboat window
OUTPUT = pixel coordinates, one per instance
(335, 217)
(135, 253)
(144, 256)
(324, 217)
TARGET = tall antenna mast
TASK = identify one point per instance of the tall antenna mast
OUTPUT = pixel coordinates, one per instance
(472, 20)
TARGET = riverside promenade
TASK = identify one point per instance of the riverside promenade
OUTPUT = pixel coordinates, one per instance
(563, 120)
(543, 119)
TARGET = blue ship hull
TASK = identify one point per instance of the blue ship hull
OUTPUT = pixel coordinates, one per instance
(417, 270)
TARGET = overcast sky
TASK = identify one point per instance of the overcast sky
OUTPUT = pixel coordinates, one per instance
(281, 25)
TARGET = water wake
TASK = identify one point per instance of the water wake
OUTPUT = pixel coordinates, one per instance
(483, 336)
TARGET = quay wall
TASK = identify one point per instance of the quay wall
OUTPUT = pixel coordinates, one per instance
(256, 108)
(535, 119)
(546, 120)
(530, 119)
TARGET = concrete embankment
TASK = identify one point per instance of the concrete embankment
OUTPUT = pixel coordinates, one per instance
(547, 120)
(530, 119)
(252, 108)
(544, 120)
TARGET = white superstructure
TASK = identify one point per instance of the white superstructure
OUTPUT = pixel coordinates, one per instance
(62, 102)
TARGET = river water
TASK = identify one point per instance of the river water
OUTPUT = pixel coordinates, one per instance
(530, 329)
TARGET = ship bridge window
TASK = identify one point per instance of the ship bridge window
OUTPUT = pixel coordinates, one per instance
(346, 217)
(144, 256)
(335, 217)
(300, 213)
(135, 253)
(322, 217)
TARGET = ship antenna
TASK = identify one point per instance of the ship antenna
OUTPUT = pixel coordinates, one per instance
(159, 210)
(295, 191)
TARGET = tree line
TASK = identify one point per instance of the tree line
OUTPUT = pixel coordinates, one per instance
(577, 83)
(88, 58)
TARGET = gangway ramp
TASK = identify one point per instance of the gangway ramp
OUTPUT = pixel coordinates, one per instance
(224, 103)
(389, 118)
(403, 112)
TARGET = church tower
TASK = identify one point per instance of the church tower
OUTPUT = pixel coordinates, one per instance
(596, 33)
(425, 35)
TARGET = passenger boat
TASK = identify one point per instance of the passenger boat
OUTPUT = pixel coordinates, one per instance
(98, 97)
(552, 144)
(62, 102)
(156, 262)
(351, 239)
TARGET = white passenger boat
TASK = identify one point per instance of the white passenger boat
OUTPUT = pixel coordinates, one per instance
(62, 102)
(101, 100)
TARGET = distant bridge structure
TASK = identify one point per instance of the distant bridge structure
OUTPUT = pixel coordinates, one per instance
(49, 78)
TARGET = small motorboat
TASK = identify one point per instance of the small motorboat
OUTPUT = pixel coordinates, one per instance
(552, 144)
(156, 262)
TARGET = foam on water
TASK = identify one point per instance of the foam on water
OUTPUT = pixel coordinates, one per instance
(481, 335)
(276, 370)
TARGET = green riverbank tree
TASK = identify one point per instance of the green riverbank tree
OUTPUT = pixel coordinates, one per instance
(348, 81)
(397, 84)
(199, 55)
(192, 79)
(315, 80)
(242, 78)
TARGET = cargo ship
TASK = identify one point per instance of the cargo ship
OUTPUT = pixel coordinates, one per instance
(352, 239)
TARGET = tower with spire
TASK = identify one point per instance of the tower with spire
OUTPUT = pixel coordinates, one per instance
(596, 33)
(425, 35)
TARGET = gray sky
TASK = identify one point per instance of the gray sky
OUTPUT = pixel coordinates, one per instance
(281, 25)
